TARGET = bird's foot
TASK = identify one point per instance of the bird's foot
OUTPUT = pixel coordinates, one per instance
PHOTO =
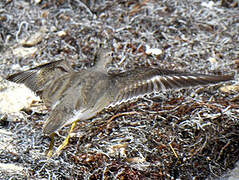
(62, 146)
(66, 141)
(50, 150)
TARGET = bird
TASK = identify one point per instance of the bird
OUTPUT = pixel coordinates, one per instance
(72, 95)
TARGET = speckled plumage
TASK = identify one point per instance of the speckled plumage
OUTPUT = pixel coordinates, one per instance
(81, 95)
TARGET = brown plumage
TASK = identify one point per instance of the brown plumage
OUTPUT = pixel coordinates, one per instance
(81, 95)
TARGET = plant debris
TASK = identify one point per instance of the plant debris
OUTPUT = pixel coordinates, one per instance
(182, 134)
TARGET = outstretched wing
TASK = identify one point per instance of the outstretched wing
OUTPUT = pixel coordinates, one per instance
(142, 81)
(37, 78)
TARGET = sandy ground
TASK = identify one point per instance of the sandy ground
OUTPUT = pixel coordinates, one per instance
(183, 134)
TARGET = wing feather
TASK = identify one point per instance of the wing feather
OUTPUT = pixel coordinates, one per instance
(143, 81)
(37, 78)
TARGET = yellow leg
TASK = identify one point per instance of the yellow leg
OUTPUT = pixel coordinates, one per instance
(50, 150)
(65, 142)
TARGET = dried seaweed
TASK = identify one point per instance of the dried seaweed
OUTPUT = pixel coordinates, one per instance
(184, 134)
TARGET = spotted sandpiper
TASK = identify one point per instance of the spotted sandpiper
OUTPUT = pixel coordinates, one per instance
(74, 96)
